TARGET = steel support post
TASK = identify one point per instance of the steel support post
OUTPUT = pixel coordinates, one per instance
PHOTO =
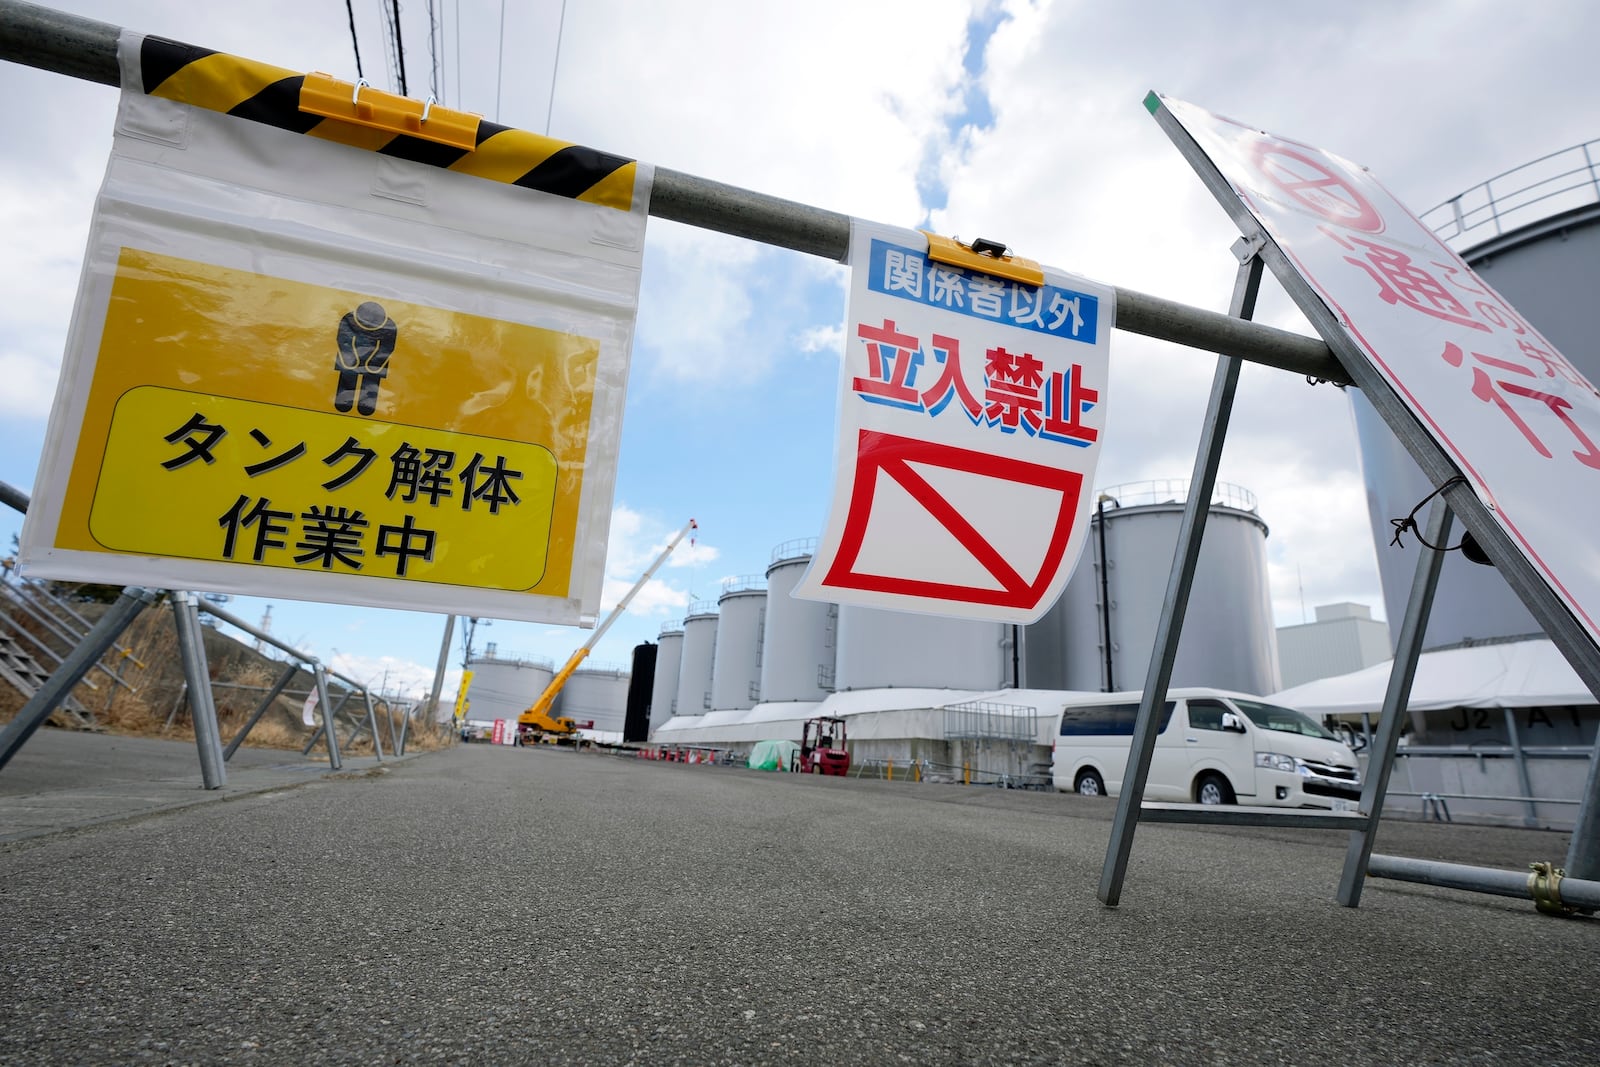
(1214, 431)
(438, 670)
(1532, 816)
(261, 709)
(405, 723)
(327, 718)
(388, 718)
(1380, 760)
(316, 735)
(71, 672)
(372, 721)
(202, 708)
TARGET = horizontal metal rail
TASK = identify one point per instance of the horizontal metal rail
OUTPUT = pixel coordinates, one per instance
(1495, 752)
(1246, 815)
(85, 48)
(1574, 892)
(1483, 796)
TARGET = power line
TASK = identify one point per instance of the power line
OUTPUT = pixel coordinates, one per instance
(399, 47)
(434, 40)
(349, 9)
(500, 63)
(550, 107)
(388, 43)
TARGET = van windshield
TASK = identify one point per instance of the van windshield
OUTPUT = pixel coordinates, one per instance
(1285, 720)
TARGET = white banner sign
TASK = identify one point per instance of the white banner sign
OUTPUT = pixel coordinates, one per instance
(319, 358)
(971, 413)
(1518, 420)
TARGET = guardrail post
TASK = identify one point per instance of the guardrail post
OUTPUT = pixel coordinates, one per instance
(202, 705)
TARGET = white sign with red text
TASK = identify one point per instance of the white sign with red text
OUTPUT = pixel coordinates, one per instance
(971, 413)
(1518, 420)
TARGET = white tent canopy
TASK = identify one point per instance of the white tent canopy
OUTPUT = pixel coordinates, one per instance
(871, 714)
(1515, 674)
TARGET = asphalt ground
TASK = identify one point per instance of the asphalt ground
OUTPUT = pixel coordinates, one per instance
(499, 905)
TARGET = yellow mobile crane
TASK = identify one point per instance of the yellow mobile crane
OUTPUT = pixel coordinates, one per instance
(537, 724)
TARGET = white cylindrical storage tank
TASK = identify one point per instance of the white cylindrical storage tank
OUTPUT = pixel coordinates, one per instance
(503, 687)
(880, 649)
(736, 664)
(1539, 247)
(699, 656)
(664, 690)
(597, 694)
(799, 640)
(1228, 639)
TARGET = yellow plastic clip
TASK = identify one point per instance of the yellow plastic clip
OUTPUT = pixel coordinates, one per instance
(986, 257)
(325, 95)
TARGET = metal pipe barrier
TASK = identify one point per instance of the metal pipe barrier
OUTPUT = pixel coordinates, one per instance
(79, 47)
(1545, 884)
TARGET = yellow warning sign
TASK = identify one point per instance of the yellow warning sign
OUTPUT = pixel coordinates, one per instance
(240, 418)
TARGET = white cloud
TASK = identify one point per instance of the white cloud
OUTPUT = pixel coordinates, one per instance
(822, 339)
(392, 674)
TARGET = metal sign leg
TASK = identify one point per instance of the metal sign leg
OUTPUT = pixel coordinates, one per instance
(1247, 284)
(1380, 760)
(202, 707)
(73, 668)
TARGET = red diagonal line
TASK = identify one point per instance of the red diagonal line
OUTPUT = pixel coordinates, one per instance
(951, 519)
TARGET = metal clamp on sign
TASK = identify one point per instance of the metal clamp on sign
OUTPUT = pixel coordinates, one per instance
(357, 103)
(985, 257)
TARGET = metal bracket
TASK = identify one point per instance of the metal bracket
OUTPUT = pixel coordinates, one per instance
(361, 105)
(985, 257)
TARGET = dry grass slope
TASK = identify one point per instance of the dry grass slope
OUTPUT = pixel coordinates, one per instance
(154, 703)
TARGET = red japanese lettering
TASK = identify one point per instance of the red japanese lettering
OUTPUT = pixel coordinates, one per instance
(1401, 281)
(1491, 391)
(1012, 395)
(947, 351)
(892, 359)
(1066, 401)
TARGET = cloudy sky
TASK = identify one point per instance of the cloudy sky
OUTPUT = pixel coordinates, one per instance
(1009, 119)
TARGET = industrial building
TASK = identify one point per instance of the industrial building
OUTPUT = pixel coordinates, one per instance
(1344, 638)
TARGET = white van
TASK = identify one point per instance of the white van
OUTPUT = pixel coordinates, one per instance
(1213, 747)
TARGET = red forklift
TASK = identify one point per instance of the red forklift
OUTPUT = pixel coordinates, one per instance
(822, 748)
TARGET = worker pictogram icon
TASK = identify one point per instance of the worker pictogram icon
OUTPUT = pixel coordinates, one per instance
(366, 340)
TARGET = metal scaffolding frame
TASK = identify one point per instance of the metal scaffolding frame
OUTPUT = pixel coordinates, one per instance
(85, 48)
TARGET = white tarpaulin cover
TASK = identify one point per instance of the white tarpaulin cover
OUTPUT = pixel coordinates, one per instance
(1520, 674)
(870, 715)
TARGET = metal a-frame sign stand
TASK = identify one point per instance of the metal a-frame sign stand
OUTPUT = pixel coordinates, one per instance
(85, 48)
(1580, 885)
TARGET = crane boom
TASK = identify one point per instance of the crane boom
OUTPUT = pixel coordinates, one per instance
(538, 715)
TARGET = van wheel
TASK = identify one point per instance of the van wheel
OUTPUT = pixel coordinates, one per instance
(1090, 784)
(1214, 789)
